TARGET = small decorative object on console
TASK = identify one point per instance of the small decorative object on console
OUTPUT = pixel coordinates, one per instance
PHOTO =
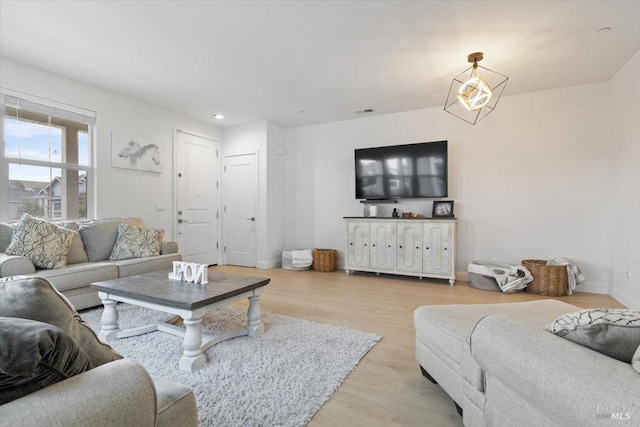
(442, 209)
(189, 272)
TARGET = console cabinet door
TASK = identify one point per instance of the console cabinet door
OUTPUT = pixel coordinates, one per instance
(357, 244)
(409, 247)
(437, 250)
(381, 240)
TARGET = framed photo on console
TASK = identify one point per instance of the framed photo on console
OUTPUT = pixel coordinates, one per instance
(442, 209)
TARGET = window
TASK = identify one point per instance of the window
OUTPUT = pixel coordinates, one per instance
(46, 160)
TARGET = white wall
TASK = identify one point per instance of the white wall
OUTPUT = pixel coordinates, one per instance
(624, 197)
(276, 190)
(120, 192)
(266, 139)
(532, 180)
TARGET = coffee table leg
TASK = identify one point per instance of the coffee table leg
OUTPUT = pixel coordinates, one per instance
(192, 357)
(254, 324)
(109, 324)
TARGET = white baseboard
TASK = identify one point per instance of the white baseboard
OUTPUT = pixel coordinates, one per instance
(266, 265)
(591, 287)
(462, 275)
(628, 301)
(594, 288)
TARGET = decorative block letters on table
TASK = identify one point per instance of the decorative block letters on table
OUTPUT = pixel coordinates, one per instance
(189, 272)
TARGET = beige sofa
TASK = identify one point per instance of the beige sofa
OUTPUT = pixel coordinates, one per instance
(501, 368)
(87, 259)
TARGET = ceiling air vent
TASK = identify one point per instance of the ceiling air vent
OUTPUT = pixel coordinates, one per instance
(364, 111)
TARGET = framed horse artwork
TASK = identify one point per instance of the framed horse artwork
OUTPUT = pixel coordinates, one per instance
(133, 152)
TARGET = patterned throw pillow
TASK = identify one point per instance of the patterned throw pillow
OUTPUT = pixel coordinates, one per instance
(137, 242)
(45, 244)
(611, 331)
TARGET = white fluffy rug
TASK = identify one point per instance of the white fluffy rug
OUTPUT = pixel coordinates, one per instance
(281, 378)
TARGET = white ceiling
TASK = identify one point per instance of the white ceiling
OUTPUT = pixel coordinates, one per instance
(269, 60)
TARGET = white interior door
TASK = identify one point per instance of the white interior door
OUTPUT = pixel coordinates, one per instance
(197, 198)
(240, 178)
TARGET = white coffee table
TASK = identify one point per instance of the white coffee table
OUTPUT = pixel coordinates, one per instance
(186, 301)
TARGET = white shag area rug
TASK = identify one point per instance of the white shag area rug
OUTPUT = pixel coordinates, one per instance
(280, 378)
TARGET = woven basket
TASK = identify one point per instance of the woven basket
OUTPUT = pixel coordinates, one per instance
(548, 280)
(324, 260)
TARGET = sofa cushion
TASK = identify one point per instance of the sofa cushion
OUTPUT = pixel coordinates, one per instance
(44, 243)
(99, 236)
(34, 355)
(35, 298)
(131, 267)
(75, 276)
(610, 331)
(76, 253)
(176, 403)
(447, 327)
(137, 242)
(6, 231)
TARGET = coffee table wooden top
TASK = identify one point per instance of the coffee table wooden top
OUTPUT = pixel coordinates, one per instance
(157, 288)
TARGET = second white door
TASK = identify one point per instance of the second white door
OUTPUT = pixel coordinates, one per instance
(240, 180)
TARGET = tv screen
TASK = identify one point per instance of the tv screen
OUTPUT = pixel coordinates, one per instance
(402, 171)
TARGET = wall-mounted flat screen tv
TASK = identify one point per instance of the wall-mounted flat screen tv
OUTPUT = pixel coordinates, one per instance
(407, 171)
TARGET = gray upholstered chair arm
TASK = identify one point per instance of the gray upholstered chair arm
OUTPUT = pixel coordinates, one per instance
(169, 248)
(540, 366)
(119, 393)
(12, 265)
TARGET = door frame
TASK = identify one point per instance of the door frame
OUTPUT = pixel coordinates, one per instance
(223, 201)
(174, 184)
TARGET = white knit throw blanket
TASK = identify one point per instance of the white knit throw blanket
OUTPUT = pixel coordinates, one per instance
(574, 275)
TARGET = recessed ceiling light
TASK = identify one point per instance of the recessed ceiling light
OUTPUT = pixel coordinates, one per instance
(603, 30)
(218, 116)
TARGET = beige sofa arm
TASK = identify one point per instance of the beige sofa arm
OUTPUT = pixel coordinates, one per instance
(119, 393)
(169, 248)
(569, 383)
(12, 265)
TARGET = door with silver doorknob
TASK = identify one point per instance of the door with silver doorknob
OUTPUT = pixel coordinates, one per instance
(196, 196)
(240, 188)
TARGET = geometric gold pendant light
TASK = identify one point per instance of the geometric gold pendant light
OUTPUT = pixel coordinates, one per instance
(472, 96)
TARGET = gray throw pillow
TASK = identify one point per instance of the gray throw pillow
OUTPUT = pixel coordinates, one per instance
(6, 231)
(611, 331)
(635, 361)
(34, 355)
(137, 242)
(76, 253)
(44, 243)
(35, 298)
(99, 236)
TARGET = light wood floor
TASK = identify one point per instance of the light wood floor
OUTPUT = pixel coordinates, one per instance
(386, 388)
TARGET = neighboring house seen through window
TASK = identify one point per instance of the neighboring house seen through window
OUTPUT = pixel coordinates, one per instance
(47, 160)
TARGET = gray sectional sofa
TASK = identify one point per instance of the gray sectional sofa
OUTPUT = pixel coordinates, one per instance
(87, 259)
(502, 368)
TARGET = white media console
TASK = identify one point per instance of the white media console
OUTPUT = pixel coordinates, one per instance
(423, 247)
